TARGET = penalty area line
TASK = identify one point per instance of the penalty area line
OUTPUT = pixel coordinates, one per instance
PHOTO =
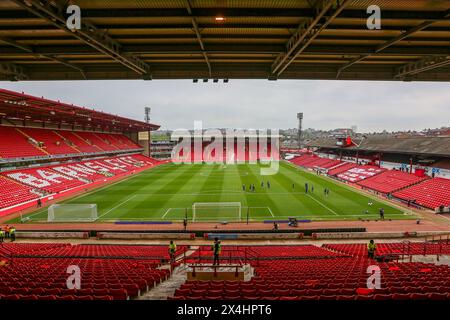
(319, 202)
(117, 206)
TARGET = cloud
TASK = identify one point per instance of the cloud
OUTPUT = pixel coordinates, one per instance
(260, 103)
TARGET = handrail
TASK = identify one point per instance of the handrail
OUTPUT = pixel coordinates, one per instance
(246, 253)
(214, 267)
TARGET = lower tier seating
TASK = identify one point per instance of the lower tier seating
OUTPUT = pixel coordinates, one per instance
(359, 173)
(390, 181)
(22, 185)
(13, 193)
(431, 193)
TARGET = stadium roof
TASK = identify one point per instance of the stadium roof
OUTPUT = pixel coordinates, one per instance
(435, 146)
(19, 106)
(198, 39)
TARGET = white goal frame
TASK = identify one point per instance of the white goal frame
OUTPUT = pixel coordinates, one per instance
(195, 205)
(92, 207)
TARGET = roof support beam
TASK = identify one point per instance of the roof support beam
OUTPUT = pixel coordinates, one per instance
(199, 36)
(15, 72)
(387, 44)
(425, 64)
(88, 34)
(29, 49)
(309, 29)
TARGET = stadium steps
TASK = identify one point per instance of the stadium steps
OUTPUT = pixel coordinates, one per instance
(66, 141)
(167, 288)
(29, 137)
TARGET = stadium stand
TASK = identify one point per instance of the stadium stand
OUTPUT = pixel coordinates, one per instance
(420, 190)
(33, 142)
(359, 173)
(310, 161)
(37, 271)
(49, 141)
(82, 145)
(14, 144)
(320, 277)
(45, 179)
(284, 272)
(14, 193)
(103, 279)
(414, 248)
(27, 184)
(67, 250)
(390, 181)
(431, 193)
(343, 168)
(279, 251)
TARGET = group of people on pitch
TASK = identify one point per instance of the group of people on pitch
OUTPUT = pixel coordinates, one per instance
(7, 232)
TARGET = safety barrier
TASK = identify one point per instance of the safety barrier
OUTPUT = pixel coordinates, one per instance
(53, 234)
(146, 235)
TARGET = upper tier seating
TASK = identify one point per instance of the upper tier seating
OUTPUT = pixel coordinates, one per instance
(51, 141)
(19, 142)
(431, 193)
(13, 193)
(98, 140)
(78, 142)
(14, 144)
(390, 181)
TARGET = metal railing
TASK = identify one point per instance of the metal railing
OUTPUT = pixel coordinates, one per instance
(229, 254)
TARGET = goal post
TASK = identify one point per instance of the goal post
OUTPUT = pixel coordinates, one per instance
(213, 211)
(72, 213)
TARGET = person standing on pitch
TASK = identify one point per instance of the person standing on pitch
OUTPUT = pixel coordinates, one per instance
(243, 187)
(216, 247)
(306, 187)
(185, 222)
(172, 250)
(268, 185)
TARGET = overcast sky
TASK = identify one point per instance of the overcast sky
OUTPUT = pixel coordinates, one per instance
(371, 106)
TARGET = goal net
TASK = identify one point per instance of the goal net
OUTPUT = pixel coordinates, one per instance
(72, 213)
(213, 211)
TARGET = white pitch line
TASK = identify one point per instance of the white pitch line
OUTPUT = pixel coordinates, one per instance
(270, 212)
(319, 202)
(120, 204)
(165, 214)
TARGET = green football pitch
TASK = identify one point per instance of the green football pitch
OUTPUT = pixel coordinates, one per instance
(169, 191)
